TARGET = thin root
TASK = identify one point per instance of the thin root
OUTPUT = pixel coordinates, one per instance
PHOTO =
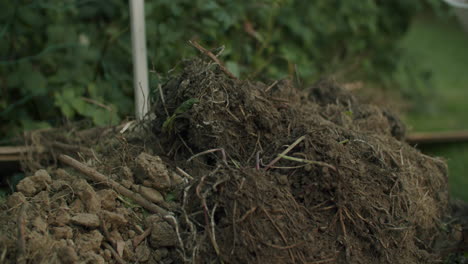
(223, 153)
(294, 144)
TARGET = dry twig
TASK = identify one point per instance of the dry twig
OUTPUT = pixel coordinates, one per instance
(213, 57)
(101, 178)
(249, 212)
(285, 152)
(94, 102)
(114, 253)
(271, 86)
(137, 240)
(319, 163)
(105, 231)
(21, 242)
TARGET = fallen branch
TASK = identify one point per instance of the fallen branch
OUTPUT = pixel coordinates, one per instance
(94, 102)
(437, 137)
(101, 178)
(16, 153)
(10, 150)
(213, 57)
(21, 242)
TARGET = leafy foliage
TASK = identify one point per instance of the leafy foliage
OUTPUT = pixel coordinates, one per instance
(168, 125)
(73, 58)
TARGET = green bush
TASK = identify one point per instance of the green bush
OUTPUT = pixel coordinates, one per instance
(70, 60)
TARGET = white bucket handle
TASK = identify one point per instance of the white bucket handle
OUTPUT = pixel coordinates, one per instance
(456, 3)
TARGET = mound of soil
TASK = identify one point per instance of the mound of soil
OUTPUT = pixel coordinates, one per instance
(229, 171)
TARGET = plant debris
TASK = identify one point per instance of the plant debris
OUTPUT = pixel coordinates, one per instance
(230, 171)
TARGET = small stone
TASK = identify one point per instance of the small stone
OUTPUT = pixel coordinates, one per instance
(160, 254)
(457, 232)
(116, 220)
(26, 186)
(87, 220)
(153, 168)
(67, 255)
(42, 198)
(107, 255)
(107, 198)
(16, 199)
(176, 179)
(151, 219)
(162, 235)
(41, 179)
(150, 194)
(283, 179)
(62, 232)
(87, 195)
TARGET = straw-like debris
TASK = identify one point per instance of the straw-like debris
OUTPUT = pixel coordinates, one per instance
(229, 171)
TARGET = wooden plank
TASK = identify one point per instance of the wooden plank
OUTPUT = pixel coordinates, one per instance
(9, 150)
(16, 153)
(437, 137)
(10, 158)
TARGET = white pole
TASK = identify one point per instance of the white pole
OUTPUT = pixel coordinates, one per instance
(140, 64)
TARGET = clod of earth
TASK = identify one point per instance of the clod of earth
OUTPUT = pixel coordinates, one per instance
(247, 173)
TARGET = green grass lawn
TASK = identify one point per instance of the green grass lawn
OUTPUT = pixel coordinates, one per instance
(437, 49)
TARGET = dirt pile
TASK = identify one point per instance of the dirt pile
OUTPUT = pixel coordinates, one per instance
(236, 172)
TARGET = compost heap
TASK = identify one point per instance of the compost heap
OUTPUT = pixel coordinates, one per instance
(229, 171)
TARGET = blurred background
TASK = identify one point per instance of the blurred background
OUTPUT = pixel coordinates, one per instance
(69, 60)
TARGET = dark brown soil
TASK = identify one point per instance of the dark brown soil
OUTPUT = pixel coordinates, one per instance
(250, 173)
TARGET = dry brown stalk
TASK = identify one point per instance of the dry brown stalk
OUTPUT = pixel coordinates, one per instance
(137, 240)
(21, 242)
(285, 152)
(102, 179)
(249, 212)
(213, 57)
